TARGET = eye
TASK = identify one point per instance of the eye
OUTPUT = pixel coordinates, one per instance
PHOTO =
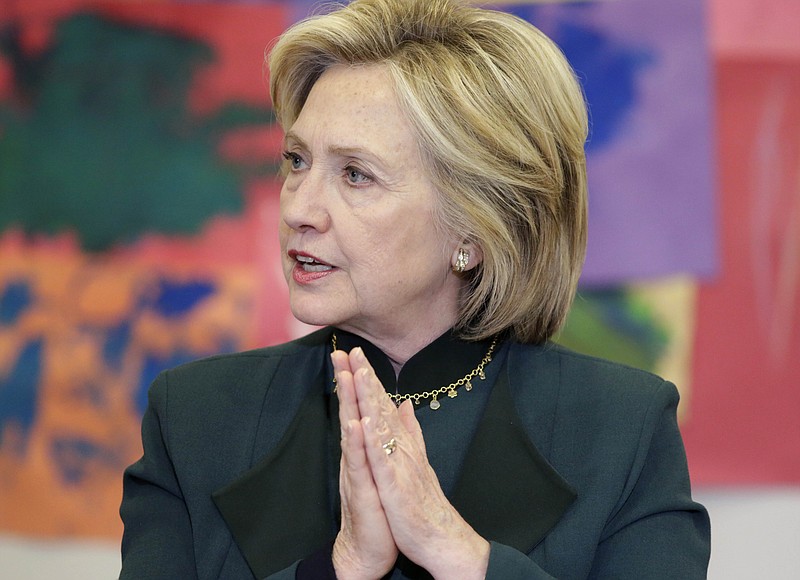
(295, 161)
(355, 176)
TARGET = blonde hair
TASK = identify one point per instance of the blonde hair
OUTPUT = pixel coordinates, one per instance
(501, 123)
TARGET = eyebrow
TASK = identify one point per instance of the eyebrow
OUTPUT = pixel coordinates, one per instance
(341, 151)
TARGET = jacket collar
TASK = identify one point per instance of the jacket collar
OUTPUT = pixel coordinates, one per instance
(443, 361)
(279, 511)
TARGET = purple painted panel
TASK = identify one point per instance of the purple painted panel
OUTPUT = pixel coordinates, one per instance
(646, 69)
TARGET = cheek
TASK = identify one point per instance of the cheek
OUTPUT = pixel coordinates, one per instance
(390, 243)
(402, 256)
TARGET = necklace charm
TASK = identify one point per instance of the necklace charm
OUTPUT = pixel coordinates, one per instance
(451, 389)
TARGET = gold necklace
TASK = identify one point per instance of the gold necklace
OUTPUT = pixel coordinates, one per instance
(465, 381)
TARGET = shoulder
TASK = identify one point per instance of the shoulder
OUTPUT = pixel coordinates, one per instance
(611, 432)
(571, 375)
(223, 364)
(585, 408)
(237, 379)
(223, 398)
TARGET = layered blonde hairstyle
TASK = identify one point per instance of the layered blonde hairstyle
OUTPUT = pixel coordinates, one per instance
(501, 124)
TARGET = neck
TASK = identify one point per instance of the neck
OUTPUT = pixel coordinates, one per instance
(396, 366)
(400, 348)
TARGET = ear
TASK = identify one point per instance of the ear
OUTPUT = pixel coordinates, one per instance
(465, 257)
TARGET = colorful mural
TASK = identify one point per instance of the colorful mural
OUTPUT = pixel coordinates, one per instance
(82, 337)
(137, 207)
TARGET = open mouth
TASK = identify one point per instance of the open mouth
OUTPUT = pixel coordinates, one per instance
(309, 264)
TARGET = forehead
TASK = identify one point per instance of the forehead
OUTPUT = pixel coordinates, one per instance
(356, 106)
(366, 84)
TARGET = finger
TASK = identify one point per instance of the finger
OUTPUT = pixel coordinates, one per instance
(364, 539)
(406, 465)
(345, 389)
(356, 483)
(353, 452)
(407, 417)
(341, 361)
(382, 451)
(410, 423)
(371, 396)
(360, 364)
(358, 493)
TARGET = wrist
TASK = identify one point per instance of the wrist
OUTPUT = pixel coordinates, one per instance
(466, 560)
(349, 565)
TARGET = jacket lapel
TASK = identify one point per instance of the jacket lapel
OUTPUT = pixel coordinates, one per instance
(279, 511)
(507, 491)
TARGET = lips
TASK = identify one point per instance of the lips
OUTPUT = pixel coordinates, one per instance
(308, 268)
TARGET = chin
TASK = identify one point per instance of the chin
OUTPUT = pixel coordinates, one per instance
(316, 315)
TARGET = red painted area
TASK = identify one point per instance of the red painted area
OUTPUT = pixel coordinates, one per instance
(745, 408)
(239, 33)
(755, 28)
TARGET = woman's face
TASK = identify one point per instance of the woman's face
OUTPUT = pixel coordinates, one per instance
(358, 241)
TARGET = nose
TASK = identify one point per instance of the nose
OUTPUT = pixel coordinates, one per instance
(303, 202)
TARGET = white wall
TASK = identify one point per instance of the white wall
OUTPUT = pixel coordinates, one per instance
(755, 534)
(25, 559)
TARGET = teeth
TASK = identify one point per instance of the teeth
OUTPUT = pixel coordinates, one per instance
(311, 265)
(316, 267)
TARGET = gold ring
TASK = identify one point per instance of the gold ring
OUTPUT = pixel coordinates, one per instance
(390, 446)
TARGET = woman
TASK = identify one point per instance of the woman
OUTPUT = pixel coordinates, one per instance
(433, 219)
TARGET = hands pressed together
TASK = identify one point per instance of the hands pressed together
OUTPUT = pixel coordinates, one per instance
(391, 498)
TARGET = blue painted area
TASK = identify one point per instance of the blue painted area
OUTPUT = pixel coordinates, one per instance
(228, 344)
(73, 458)
(172, 300)
(116, 343)
(176, 299)
(611, 86)
(14, 300)
(607, 68)
(18, 390)
(154, 365)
